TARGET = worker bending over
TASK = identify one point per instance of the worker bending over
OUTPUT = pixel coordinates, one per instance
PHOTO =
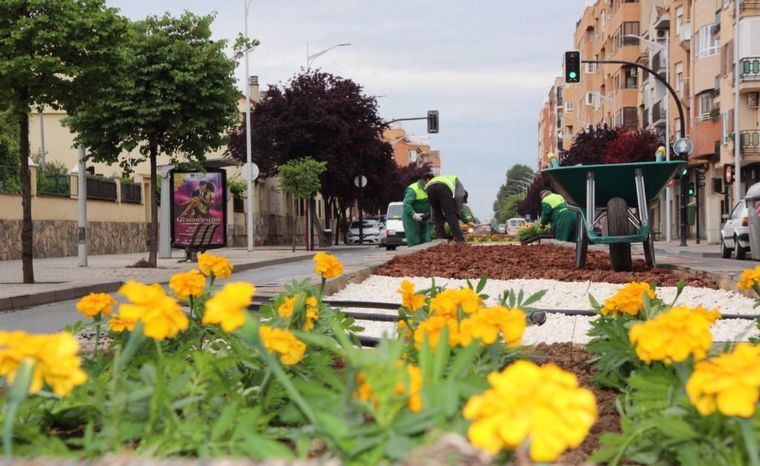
(447, 196)
(416, 214)
(554, 212)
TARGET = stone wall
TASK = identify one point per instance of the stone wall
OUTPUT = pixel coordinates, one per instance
(59, 238)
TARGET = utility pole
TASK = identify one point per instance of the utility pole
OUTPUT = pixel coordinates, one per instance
(42, 138)
(82, 205)
(737, 112)
(249, 177)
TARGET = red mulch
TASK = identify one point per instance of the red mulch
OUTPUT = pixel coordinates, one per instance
(547, 261)
(574, 358)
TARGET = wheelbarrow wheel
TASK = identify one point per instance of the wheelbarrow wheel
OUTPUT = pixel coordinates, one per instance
(618, 225)
(581, 244)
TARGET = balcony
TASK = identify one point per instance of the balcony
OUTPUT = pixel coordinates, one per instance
(658, 115)
(750, 69)
(749, 5)
(750, 142)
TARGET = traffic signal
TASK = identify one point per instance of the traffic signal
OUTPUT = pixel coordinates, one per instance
(691, 191)
(572, 66)
(432, 121)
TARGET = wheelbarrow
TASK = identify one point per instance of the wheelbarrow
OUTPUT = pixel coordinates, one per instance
(599, 192)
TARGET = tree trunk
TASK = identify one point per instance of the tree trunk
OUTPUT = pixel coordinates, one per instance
(293, 232)
(27, 233)
(153, 232)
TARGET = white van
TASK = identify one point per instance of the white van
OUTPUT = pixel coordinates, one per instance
(514, 224)
(393, 236)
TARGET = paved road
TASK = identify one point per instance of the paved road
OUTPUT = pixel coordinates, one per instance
(55, 316)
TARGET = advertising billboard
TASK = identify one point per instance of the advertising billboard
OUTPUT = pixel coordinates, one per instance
(199, 207)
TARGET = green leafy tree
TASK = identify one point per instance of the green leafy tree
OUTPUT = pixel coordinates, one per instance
(52, 52)
(300, 177)
(516, 178)
(176, 96)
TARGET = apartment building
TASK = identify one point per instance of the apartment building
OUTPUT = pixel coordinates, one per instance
(408, 150)
(691, 42)
(550, 124)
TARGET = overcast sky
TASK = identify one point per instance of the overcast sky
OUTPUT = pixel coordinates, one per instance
(486, 66)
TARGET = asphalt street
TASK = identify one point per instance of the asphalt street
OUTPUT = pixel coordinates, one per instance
(55, 316)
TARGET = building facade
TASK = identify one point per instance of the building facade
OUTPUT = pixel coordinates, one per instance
(408, 150)
(691, 43)
(550, 124)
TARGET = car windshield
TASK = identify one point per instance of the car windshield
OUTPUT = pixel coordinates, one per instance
(395, 211)
(367, 224)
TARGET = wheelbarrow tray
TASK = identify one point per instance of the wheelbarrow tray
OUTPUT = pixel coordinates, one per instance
(612, 180)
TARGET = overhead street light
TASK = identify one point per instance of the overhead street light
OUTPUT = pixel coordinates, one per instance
(249, 179)
(311, 57)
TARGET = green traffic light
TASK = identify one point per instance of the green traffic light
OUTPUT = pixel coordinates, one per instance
(685, 172)
(572, 75)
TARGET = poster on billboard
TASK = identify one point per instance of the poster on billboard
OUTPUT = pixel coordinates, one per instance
(197, 199)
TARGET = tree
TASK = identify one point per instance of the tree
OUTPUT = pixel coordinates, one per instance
(300, 177)
(52, 52)
(632, 146)
(589, 146)
(176, 96)
(531, 205)
(508, 207)
(516, 179)
(330, 119)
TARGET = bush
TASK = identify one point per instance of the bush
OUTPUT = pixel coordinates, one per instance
(632, 146)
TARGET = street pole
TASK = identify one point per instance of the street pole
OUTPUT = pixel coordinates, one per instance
(42, 139)
(249, 213)
(82, 205)
(361, 215)
(668, 189)
(737, 112)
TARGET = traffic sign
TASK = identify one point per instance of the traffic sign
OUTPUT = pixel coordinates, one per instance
(683, 146)
(250, 172)
(728, 174)
(360, 181)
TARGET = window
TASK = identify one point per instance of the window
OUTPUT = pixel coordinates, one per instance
(630, 78)
(590, 98)
(707, 44)
(591, 68)
(568, 106)
(627, 29)
(603, 19)
(705, 105)
(679, 78)
(727, 126)
(679, 20)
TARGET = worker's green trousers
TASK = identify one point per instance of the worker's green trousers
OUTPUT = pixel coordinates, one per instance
(417, 232)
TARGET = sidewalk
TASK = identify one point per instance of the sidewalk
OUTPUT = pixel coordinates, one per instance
(61, 278)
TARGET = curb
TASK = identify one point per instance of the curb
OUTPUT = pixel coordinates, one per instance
(48, 297)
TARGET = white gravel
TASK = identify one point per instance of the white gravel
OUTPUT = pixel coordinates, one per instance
(560, 295)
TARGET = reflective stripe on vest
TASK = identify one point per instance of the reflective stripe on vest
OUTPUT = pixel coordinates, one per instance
(418, 191)
(554, 200)
(448, 180)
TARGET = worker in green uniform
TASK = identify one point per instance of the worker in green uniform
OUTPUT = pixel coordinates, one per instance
(416, 214)
(554, 212)
(447, 195)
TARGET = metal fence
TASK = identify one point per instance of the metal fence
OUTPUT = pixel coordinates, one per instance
(750, 69)
(131, 192)
(53, 184)
(101, 189)
(10, 181)
(750, 141)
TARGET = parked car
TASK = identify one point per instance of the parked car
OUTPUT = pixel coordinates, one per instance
(501, 228)
(734, 236)
(393, 236)
(514, 224)
(370, 232)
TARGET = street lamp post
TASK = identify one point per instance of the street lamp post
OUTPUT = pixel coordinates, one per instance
(311, 57)
(249, 177)
(737, 110)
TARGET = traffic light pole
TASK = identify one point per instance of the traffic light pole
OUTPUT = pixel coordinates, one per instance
(684, 179)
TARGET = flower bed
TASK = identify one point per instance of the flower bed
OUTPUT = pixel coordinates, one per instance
(544, 261)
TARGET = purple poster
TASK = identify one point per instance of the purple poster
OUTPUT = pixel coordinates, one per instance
(199, 199)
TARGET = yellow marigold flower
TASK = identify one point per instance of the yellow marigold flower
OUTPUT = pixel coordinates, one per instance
(227, 307)
(469, 300)
(312, 313)
(749, 278)
(431, 329)
(364, 392)
(285, 310)
(186, 284)
(415, 388)
(96, 303)
(54, 359)
(217, 266)
(543, 404)
(486, 324)
(284, 343)
(410, 300)
(629, 300)
(729, 383)
(118, 323)
(674, 335)
(160, 314)
(403, 330)
(445, 303)
(327, 266)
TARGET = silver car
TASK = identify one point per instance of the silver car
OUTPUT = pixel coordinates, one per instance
(372, 231)
(734, 236)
